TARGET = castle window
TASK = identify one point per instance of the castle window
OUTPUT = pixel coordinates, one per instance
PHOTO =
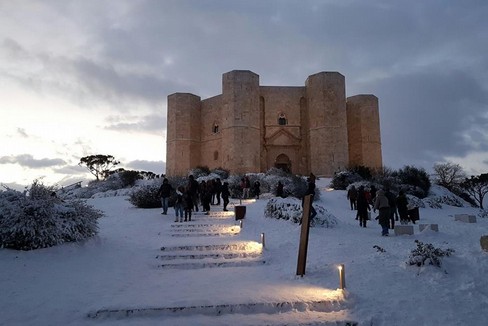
(282, 119)
(216, 155)
(215, 128)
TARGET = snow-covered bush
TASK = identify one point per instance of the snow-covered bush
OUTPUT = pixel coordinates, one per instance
(38, 219)
(290, 209)
(145, 196)
(427, 253)
(439, 196)
(343, 179)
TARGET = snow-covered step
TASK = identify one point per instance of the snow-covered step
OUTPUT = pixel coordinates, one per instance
(212, 264)
(246, 246)
(210, 229)
(214, 255)
(331, 311)
(205, 234)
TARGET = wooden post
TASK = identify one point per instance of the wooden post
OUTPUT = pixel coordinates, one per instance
(302, 251)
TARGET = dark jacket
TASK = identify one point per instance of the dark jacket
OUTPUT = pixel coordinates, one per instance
(165, 190)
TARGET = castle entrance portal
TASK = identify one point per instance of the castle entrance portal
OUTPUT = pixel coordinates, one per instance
(283, 162)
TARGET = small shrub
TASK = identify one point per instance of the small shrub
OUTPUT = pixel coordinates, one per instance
(145, 197)
(379, 249)
(129, 177)
(342, 180)
(427, 253)
(199, 171)
(363, 171)
(222, 173)
(416, 180)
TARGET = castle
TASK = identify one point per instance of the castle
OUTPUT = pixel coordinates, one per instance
(252, 128)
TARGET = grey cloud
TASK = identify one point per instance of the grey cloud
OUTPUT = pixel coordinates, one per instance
(428, 115)
(157, 167)
(153, 124)
(29, 161)
(22, 132)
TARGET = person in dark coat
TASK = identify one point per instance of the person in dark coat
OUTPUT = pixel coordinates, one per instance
(393, 208)
(402, 206)
(372, 192)
(310, 191)
(279, 189)
(205, 196)
(193, 189)
(352, 195)
(381, 204)
(257, 188)
(188, 204)
(225, 195)
(218, 190)
(363, 207)
(164, 193)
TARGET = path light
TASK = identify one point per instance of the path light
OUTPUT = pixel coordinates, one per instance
(262, 240)
(240, 224)
(342, 276)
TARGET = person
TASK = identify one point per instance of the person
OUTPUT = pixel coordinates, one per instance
(372, 192)
(164, 193)
(393, 208)
(352, 195)
(188, 203)
(192, 188)
(279, 189)
(402, 206)
(218, 190)
(179, 205)
(381, 204)
(362, 207)
(246, 186)
(310, 191)
(225, 195)
(257, 188)
(205, 196)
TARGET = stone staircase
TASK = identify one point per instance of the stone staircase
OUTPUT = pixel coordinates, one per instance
(226, 253)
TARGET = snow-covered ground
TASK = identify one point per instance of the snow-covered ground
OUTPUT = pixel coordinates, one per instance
(124, 271)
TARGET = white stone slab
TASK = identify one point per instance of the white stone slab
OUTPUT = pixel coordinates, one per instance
(465, 218)
(403, 229)
(433, 227)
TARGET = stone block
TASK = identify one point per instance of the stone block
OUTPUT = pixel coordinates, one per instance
(433, 227)
(484, 242)
(465, 218)
(403, 229)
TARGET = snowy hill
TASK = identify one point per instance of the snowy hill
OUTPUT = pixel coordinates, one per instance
(144, 269)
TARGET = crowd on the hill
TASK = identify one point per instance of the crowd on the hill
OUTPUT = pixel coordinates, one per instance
(390, 208)
(194, 195)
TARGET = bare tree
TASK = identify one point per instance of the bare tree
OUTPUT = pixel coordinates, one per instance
(449, 175)
(477, 187)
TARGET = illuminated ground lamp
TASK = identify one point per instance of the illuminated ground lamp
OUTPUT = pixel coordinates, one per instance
(240, 224)
(342, 277)
(262, 240)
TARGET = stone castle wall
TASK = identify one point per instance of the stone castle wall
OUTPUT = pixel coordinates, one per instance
(251, 128)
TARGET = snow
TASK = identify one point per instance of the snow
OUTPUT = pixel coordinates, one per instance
(117, 273)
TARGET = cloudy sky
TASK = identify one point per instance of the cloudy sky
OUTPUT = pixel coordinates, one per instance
(91, 77)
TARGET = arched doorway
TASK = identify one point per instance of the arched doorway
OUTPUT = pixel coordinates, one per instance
(283, 162)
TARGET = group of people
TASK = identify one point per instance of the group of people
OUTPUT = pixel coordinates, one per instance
(391, 208)
(189, 197)
(246, 188)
